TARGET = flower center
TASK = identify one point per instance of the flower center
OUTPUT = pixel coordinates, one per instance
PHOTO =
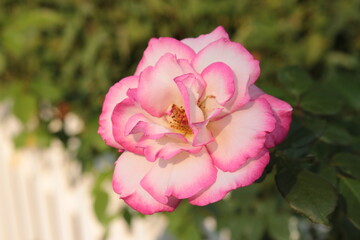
(202, 104)
(179, 120)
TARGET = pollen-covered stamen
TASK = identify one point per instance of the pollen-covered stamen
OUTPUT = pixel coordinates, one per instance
(178, 120)
(201, 103)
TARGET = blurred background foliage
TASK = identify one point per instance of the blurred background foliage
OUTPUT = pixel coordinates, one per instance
(58, 59)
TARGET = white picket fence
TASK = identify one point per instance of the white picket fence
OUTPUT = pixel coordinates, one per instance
(43, 195)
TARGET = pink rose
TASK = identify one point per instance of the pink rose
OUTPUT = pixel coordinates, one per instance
(191, 123)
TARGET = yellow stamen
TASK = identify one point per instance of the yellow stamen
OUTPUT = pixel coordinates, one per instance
(178, 120)
(202, 103)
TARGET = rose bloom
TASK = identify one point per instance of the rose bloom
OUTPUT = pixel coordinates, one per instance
(191, 123)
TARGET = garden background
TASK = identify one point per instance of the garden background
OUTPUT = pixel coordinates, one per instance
(58, 59)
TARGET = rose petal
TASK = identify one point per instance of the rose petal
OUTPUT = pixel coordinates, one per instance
(220, 82)
(203, 40)
(120, 117)
(116, 94)
(139, 123)
(227, 181)
(157, 90)
(181, 177)
(245, 68)
(166, 147)
(220, 144)
(191, 90)
(202, 135)
(282, 113)
(240, 135)
(130, 168)
(159, 47)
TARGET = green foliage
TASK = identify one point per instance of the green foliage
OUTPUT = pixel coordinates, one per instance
(295, 80)
(350, 189)
(347, 163)
(186, 214)
(25, 107)
(64, 56)
(322, 100)
(307, 193)
(23, 29)
(101, 198)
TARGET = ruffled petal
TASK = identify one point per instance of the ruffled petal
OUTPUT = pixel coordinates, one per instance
(116, 94)
(202, 135)
(203, 40)
(166, 147)
(157, 90)
(245, 68)
(220, 82)
(158, 47)
(240, 135)
(181, 177)
(191, 89)
(130, 168)
(139, 123)
(282, 113)
(120, 117)
(227, 181)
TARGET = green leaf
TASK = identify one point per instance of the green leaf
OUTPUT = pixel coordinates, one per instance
(100, 204)
(336, 134)
(127, 216)
(278, 91)
(350, 189)
(299, 136)
(101, 197)
(322, 100)
(315, 124)
(321, 151)
(329, 173)
(349, 86)
(25, 107)
(307, 193)
(296, 80)
(348, 163)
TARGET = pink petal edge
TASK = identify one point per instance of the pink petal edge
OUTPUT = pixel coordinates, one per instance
(203, 40)
(120, 117)
(282, 113)
(157, 90)
(158, 47)
(220, 82)
(241, 135)
(181, 177)
(227, 181)
(130, 168)
(245, 68)
(115, 95)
